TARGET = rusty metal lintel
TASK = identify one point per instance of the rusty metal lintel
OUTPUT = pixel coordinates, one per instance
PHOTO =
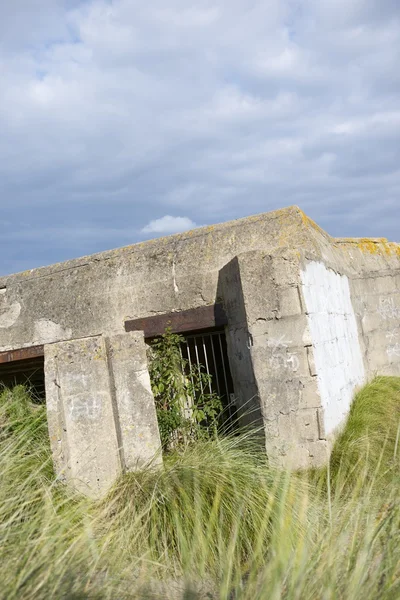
(21, 354)
(194, 319)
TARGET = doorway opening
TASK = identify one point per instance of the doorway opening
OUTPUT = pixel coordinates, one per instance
(28, 372)
(206, 375)
(207, 351)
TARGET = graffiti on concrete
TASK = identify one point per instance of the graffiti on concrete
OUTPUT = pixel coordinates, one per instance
(280, 356)
(393, 348)
(85, 407)
(387, 309)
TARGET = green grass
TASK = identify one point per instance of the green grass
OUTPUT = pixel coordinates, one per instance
(371, 436)
(215, 522)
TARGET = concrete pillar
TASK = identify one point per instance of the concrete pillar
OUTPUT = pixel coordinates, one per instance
(238, 340)
(270, 342)
(135, 407)
(101, 412)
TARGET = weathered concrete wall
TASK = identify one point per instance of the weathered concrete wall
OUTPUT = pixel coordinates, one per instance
(135, 410)
(100, 408)
(376, 300)
(310, 318)
(270, 352)
(281, 360)
(351, 294)
(231, 292)
(97, 294)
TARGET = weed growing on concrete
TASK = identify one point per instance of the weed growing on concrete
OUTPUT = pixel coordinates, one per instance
(186, 410)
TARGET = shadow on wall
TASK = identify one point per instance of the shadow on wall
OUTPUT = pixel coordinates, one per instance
(230, 293)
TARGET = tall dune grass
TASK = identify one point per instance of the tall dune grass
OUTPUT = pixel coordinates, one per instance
(215, 522)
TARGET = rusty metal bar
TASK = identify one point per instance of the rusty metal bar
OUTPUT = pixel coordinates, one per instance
(21, 354)
(194, 319)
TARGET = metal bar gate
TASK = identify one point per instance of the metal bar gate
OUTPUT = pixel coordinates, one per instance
(208, 351)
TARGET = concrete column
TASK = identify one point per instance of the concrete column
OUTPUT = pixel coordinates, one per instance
(101, 412)
(262, 296)
(238, 339)
(135, 407)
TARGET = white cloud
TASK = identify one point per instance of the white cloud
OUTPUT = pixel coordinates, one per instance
(168, 224)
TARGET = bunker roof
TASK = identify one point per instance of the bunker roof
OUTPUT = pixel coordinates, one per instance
(288, 227)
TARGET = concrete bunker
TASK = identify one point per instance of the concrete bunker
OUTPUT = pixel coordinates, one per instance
(307, 318)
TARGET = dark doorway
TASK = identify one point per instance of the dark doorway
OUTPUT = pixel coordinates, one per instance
(28, 372)
(208, 350)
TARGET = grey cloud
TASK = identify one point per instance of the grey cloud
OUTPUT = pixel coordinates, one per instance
(114, 114)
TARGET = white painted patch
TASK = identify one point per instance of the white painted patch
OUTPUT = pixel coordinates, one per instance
(337, 353)
(10, 316)
(47, 331)
(144, 379)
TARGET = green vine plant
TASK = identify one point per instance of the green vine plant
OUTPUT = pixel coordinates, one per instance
(186, 408)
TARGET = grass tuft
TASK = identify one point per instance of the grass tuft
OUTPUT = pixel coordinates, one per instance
(215, 522)
(368, 446)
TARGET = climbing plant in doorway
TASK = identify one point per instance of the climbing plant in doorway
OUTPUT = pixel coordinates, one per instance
(185, 410)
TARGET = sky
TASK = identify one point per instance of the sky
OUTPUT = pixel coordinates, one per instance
(125, 120)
